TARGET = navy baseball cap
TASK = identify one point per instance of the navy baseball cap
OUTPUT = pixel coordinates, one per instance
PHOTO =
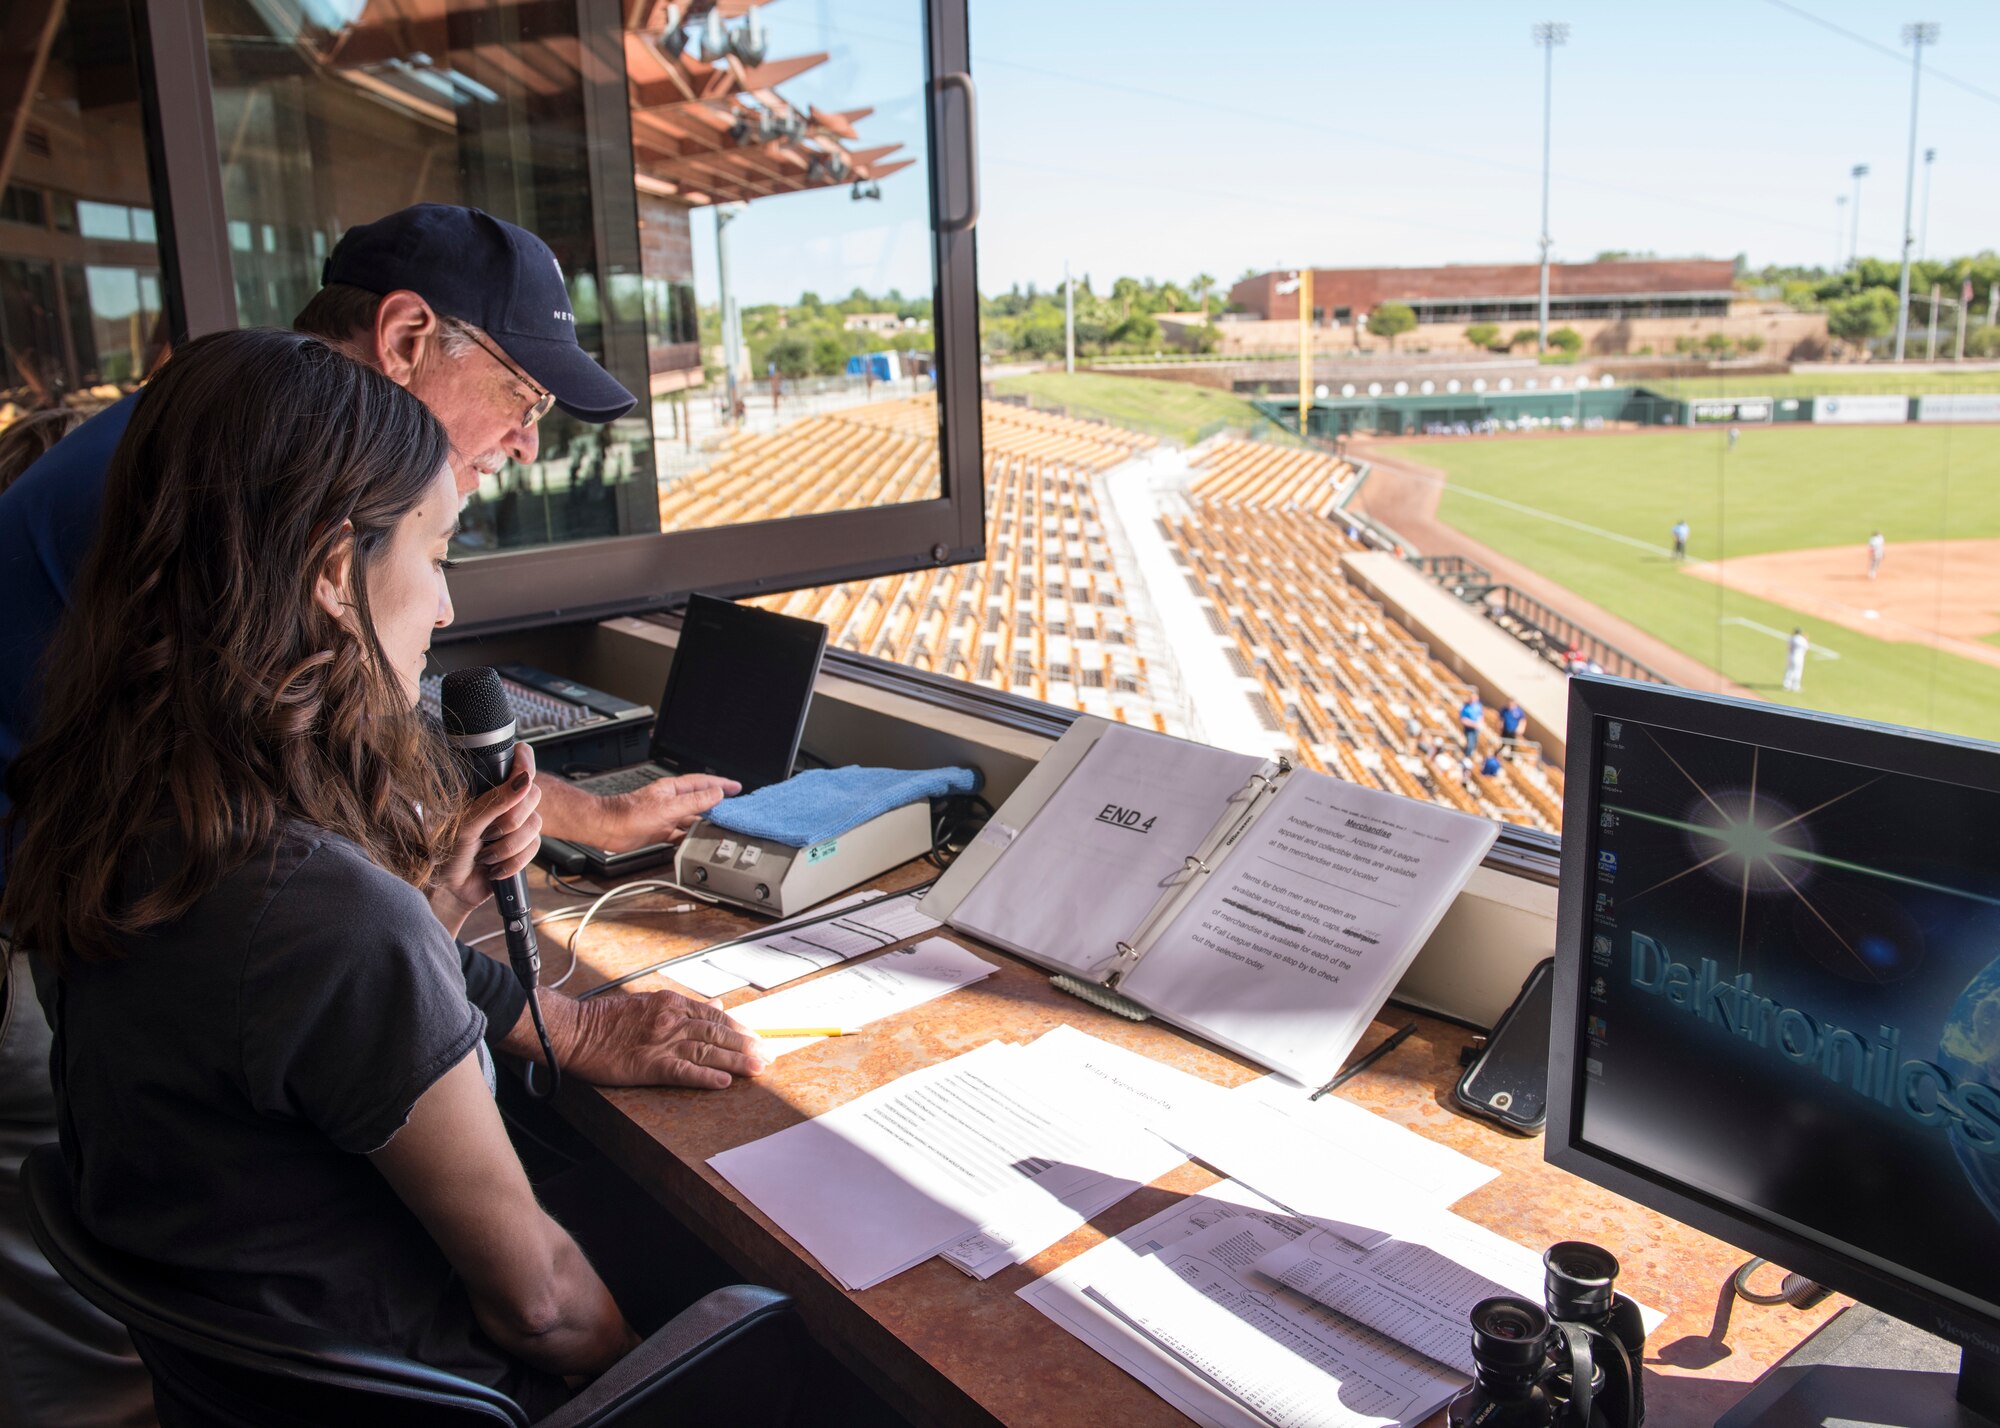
(499, 277)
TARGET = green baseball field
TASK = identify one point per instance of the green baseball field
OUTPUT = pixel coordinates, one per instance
(1778, 533)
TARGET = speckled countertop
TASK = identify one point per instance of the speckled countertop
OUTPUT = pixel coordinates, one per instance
(947, 1349)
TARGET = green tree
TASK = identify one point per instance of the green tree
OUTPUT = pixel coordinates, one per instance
(1868, 314)
(794, 358)
(1482, 334)
(1201, 284)
(1983, 341)
(1391, 320)
(1717, 342)
(829, 355)
(1686, 345)
(1523, 337)
(1139, 329)
(1566, 339)
(1752, 343)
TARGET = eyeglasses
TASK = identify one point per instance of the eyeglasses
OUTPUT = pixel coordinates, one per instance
(542, 404)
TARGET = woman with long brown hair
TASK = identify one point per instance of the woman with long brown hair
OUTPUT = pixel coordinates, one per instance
(244, 857)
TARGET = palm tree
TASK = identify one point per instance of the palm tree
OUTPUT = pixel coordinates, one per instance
(1202, 283)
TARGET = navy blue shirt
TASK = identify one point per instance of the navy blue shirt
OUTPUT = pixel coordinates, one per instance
(48, 518)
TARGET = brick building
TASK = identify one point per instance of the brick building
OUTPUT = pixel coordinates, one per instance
(1499, 292)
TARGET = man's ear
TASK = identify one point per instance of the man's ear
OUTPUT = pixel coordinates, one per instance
(405, 328)
(333, 589)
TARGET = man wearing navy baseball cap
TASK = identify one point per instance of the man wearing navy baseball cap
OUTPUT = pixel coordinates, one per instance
(480, 270)
(470, 314)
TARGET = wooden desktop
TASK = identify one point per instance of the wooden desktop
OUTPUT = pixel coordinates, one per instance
(946, 1349)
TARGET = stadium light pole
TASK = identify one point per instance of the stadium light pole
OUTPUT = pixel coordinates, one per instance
(1860, 172)
(1069, 320)
(1924, 224)
(1548, 34)
(1839, 227)
(1916, 36)
(732, 330)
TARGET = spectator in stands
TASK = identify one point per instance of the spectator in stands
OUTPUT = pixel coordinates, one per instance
(1471, 715)
(26, 438)
(1681, 539)
(1876, 546)
(1491, 768)
(1511, 719)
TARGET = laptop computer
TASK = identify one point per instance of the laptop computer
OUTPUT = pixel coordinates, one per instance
(735, 705)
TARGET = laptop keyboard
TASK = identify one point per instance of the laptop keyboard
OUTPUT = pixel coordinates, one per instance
(624, 780)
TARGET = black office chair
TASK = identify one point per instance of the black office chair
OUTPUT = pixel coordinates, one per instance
(736, 1355)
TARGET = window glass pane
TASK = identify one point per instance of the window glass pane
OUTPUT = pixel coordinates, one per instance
(1185, 531)
(104, 220)
(72, 183)
(336, 113)
(803, 127)
(785, 223)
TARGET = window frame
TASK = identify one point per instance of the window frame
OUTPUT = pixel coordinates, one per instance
(648, 571)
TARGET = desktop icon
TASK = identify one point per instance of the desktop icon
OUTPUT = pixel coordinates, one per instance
(1606, 819)
(1610, 776)
(1600, 950)
(1615, 729)
(1597, 1028)
(1605, 905)
(1594, 1068)
(1597, 988)
(1607, 865)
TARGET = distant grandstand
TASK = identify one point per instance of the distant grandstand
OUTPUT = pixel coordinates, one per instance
(1050, 614)
(1320, 661)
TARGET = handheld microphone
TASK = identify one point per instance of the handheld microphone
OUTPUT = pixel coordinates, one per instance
(479, 726)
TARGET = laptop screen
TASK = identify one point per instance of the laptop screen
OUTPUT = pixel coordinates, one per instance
(738, 692)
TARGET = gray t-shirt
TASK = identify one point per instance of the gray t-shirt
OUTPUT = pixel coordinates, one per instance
(218, 1089)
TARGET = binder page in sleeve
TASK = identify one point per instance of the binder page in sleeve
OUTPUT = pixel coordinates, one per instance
(1288, 949)
(1097, 857)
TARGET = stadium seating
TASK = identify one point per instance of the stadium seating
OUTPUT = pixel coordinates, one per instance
(1046, 614)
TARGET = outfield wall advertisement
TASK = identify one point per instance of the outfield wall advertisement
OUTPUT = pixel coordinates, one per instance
(1714, 411)
(1860, 409)
(1960, 406)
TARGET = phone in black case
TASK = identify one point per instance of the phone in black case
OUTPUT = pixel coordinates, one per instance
(1509, 1083)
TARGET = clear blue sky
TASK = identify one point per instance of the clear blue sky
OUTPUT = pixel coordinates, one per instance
(1166, 137)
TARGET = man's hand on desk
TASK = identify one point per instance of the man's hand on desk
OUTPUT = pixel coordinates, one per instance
(658, 813)
(642, 1039)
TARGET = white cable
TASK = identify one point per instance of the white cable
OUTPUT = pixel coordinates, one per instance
(629, 890)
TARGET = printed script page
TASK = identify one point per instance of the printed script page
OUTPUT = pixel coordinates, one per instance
(1110, 841)
(1192, 1295)
(1286, 952)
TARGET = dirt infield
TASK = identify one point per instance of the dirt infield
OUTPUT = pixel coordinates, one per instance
(1943, 593)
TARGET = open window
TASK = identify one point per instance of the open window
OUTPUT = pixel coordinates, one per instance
(696, 167)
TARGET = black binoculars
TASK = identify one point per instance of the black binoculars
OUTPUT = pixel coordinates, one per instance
(1573, 1360)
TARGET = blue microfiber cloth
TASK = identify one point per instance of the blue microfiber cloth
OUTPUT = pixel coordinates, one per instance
(819, 804)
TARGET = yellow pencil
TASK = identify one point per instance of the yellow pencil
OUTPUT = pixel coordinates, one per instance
(810, 1031)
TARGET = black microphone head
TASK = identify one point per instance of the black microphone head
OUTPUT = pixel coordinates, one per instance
(474, 704)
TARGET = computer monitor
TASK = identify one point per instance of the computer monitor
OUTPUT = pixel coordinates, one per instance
(738, 691)
(1777, 1003)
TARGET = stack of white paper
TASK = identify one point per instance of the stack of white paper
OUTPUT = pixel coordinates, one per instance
(894, 982)
(897, 1175)
(1419, 1286)
(1123, 1086)
(1176, 1303)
